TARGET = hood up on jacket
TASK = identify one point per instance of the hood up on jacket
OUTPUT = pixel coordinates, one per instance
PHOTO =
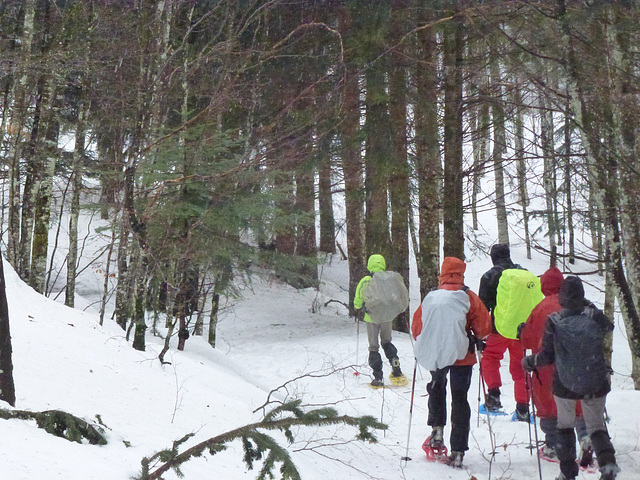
(452, 271)
(571, 294)
(376, 263)
(500, 253)
(550, 281)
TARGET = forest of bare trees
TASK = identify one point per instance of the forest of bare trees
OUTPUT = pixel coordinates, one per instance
(216, 135)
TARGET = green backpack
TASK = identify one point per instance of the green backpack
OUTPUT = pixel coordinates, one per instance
(518, 293)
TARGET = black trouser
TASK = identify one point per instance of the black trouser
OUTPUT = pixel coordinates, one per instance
(460, 410)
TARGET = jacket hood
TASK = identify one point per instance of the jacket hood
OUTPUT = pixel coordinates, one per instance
(550, 281)
(376, 263)
(452, 271)
(571, 294)
(499, 253)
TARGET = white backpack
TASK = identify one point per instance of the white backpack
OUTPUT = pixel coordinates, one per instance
(385, 297)
(443, 338)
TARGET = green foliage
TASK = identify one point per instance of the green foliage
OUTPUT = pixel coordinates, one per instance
(259, 446)
(61, 424)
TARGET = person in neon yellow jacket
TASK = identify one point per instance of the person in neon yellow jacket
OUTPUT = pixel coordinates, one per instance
(375, 331)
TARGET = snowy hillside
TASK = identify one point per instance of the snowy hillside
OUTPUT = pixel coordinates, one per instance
(64, 360)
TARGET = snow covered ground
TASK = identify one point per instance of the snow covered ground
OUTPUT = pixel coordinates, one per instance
(274, 340)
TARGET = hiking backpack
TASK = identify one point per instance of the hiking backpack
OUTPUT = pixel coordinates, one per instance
(579, 352)
(518, 293)
(385, 296)
(443, 338)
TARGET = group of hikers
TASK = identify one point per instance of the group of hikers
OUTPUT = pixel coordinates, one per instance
(566, 377)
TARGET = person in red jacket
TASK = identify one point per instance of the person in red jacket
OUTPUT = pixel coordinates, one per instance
(530, 334)
(478, 324)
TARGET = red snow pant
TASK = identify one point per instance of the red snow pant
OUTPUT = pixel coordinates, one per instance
(491, 357)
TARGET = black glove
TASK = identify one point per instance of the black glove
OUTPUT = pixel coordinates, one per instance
(520, 328)
(475, 343)
(529, 363)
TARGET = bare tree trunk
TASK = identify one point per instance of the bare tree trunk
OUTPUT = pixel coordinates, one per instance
(18, 115)
(325, 197)
(521, 167)
(453, 139)
(49, 151)
(76, 187)
(399, 194)
(428, 162)
(499, 147)
(549, 182)
(352, 168)
(7, 386)
(568, 190)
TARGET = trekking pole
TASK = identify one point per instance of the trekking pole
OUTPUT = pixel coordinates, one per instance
(527, 381)
(406, 457)
(479, 386)
(484, 392)
(535, 426)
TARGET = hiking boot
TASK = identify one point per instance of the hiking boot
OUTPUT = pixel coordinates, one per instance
(522, 412)
(377, 379)
(455, 459)
(549, 452)
(436, 439)
(492, 402)
(585, 457)
(609, 471)
(395, 367)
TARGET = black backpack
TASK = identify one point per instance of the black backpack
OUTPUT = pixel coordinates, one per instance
(579, 352)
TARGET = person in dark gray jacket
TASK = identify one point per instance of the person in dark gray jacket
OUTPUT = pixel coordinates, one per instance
(574, 343)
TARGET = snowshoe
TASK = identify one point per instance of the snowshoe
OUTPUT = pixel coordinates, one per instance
(483, 410)
(522, 417)
(398, 380)
(377, 381)
(492, 400)
(548, 454)
(435, 451)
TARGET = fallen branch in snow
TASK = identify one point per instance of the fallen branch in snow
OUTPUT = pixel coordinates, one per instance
(337, 301)
(259, 446)
(61, 424)
(306, 375)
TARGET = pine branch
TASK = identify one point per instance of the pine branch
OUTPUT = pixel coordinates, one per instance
(258, 445)
(61, 424)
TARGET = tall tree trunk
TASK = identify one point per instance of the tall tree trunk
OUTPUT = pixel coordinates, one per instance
(48, 149)
(568, 175)
(377, 132)
(549, 177)
(76, 187)
(521, 167)
(32, 178)
(399, 195)
(499, 147)
(325, 196)
(428, 162)
(16, 125)
(352, 165)
(594, 114)
(7, 387)
(453, 139)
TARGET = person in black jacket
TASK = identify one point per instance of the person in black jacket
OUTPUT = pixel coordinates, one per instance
(497, 345)
(578, 319)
